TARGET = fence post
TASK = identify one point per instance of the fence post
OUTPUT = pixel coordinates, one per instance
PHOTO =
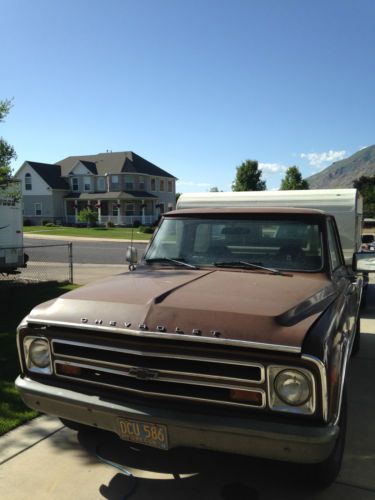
(70, 256)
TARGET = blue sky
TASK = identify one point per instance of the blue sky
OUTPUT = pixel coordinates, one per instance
(194, 86)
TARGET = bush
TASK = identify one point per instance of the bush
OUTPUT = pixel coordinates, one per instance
(27, 222)
(89, 216)
(136, 223)
(45, 222)
(146, 229)
(49, 224)
(109, 224)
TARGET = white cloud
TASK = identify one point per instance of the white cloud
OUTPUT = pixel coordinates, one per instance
(272, 168)
(318, 159)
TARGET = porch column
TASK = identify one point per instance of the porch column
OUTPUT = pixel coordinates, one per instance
(118, 212)
(143, 212)
(98, 204)
(76, 211)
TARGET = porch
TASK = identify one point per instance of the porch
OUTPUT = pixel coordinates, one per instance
(122, 209)
(122, 220)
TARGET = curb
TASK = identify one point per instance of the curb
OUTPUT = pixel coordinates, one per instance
(80, 238)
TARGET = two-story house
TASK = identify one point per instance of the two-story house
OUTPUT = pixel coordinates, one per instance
(121, 187)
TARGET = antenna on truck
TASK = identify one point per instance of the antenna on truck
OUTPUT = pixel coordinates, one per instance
(131, 253)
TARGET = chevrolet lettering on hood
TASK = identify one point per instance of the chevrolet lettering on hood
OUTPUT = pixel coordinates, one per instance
(232, 333)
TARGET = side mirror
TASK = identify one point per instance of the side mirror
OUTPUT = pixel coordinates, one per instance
(364, 262)
(132, 255)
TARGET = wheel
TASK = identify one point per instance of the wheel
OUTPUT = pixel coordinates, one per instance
(75, 426)
(324, 473)
(357, 338)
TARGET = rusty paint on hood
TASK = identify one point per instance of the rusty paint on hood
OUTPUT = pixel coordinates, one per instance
(240, 305)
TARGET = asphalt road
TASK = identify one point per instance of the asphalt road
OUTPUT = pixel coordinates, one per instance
(84, 252)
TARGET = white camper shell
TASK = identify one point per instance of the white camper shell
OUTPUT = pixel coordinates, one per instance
(11, 232)
(344, 204)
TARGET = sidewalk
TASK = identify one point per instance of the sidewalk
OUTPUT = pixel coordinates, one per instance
(78, 238)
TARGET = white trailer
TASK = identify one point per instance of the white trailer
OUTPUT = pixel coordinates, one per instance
(344, 204)
(11, 230)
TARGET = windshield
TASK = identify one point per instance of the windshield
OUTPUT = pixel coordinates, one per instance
(283, 244)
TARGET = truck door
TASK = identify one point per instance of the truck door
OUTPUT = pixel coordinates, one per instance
(348, 284)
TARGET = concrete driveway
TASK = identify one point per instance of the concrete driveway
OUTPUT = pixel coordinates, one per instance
(44, 460)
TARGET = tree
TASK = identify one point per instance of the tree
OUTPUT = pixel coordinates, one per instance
(87, 215)
(214, 189)
(248, 177)
(366, 186)
(293, 180)
(7, 152)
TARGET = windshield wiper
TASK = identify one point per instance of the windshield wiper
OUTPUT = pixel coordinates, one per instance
(175, 261)
(252, 265)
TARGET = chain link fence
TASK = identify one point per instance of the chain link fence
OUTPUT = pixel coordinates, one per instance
(45, 263)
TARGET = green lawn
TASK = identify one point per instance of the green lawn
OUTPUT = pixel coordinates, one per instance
(17, 301)
(91, 232)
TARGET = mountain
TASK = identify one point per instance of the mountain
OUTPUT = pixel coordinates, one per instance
(341, 174)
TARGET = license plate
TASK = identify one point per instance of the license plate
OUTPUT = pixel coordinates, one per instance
(146, 433)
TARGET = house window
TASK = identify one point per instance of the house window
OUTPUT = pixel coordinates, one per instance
(115, 209)
(170, 186)
(75, 186)
(161, 185)
(115, 182)
(37, 208)
(130, 209)
(86, 184)
(153, 185)
(141, 182)
(101, 184)
(28, 183)
(129, 182)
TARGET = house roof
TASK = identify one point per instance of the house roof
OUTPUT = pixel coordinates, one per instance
(122, 195)
(113, 163)
(90, 165)
(50, 173)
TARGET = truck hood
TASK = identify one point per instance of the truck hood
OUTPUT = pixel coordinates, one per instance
(207, 305)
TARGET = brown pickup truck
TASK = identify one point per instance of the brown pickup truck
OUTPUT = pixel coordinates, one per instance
(233, 333)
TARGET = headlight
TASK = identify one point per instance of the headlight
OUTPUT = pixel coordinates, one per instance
(39, 353)
(292, 387)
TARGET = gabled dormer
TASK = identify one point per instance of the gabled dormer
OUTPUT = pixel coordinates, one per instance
(82, 176)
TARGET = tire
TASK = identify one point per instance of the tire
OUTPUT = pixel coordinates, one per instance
(324, 473)
(357, 338)
(75, 426)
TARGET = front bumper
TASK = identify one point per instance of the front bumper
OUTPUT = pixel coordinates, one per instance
(247, 436)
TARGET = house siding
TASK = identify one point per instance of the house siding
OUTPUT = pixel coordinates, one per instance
(39, 187)
(29, 208)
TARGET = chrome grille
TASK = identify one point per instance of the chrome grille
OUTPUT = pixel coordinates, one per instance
(155, 373)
